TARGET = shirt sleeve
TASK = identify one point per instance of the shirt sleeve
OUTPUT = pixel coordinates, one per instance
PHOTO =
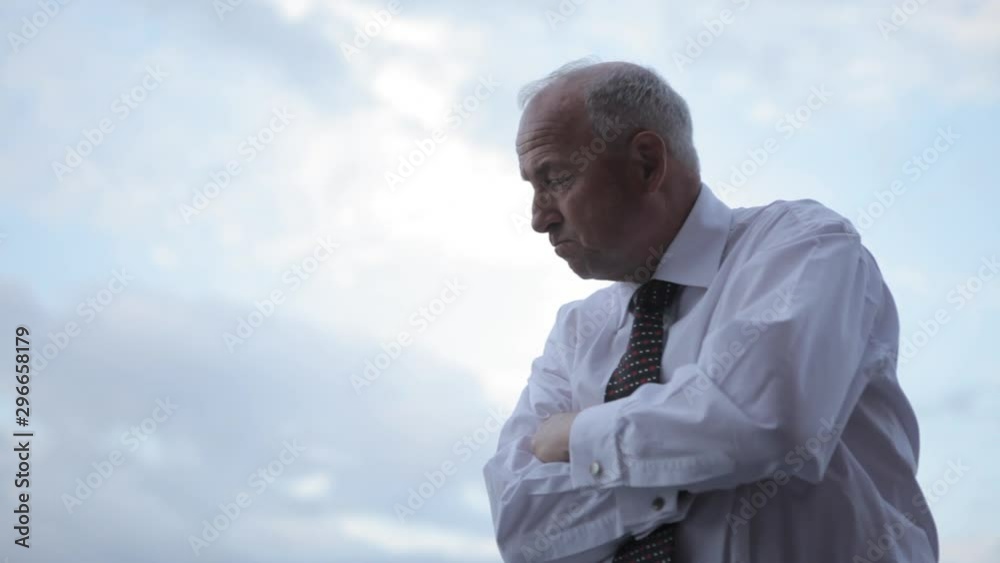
(539, 513)
(775, 380)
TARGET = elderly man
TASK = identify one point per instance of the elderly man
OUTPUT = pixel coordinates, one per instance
(732, 396)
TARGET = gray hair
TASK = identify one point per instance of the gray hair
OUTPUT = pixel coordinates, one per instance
(632, 97)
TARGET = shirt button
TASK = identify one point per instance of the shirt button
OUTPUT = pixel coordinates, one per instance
(595, 469)
(658, 503)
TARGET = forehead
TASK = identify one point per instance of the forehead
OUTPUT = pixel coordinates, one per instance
(553, 121)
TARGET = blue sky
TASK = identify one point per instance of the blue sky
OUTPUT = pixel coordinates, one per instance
(436, 279)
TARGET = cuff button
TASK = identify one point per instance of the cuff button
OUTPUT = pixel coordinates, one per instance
(595, 469)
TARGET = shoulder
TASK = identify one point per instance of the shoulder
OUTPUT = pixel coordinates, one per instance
(782, 223)
(796, 217)
(784, 236)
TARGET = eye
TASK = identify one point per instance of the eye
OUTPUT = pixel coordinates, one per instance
(559, 180)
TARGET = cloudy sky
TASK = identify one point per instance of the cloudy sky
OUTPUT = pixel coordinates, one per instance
(275, 261)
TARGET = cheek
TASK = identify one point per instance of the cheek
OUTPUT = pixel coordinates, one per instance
(596, 215)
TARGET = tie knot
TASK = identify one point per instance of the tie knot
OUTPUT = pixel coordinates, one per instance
(653, 297)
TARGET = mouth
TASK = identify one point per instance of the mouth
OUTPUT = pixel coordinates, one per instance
(563, 247)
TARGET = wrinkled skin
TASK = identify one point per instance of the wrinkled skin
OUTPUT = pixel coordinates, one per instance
(607, 215)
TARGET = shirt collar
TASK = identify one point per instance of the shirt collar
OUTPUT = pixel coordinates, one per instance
(694, 255)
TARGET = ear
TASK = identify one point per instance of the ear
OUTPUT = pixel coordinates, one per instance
(650, 160)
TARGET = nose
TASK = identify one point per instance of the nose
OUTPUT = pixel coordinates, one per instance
(544, 213)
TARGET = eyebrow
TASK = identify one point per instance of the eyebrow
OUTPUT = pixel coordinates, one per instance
(541, 168)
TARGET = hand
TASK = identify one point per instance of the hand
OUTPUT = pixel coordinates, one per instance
(551, 441)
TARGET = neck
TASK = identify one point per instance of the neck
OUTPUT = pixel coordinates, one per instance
(673, 213)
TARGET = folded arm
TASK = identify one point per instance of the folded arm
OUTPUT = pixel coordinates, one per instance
(538, 513)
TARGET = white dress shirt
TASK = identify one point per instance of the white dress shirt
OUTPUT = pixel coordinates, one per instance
(778, 432)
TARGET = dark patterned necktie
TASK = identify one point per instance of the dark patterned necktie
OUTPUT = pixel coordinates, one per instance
(639, 365)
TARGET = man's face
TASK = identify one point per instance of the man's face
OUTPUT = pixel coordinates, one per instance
(584, 197)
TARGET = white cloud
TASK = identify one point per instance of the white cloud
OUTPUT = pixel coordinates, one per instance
(412, 93)
(312, 486)
(295, 10)
(164, 257)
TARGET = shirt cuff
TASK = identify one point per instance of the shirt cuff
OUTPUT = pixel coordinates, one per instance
(644, 509)
(594, 455)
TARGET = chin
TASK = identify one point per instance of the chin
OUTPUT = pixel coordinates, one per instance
(580, 270)
(586, 273)
(588, 269)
